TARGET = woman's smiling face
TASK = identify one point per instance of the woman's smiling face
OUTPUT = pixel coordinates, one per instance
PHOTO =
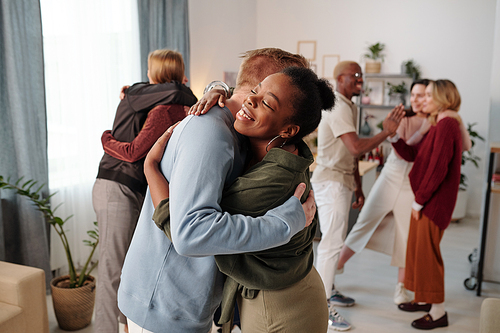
(417, 97)
(429, 106)
(266, 111)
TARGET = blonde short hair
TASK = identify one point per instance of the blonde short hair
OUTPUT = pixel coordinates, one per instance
(165, 66)
(342, 67)
(446, 97)
(260, 63)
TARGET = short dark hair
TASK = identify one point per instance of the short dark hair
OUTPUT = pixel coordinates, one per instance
(313, 95)
(425, 82)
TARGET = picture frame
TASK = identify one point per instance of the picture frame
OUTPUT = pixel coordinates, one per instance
(377, 93)
(307, 48)
(329, 63)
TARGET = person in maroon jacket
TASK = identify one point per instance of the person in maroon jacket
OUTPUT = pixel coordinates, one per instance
(434, 178)
(120, 187)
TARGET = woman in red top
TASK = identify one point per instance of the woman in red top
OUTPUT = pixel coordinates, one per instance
(434, 179)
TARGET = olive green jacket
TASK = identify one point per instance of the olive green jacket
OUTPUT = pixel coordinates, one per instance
(264, 186)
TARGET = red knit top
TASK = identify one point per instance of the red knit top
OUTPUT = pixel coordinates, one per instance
(159, 119)
(435, 175)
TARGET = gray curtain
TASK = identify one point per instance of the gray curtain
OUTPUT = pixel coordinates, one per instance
(163, 24)
(23, 132)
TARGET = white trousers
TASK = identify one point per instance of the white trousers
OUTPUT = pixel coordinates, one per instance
(333, 200)
(134, 328)
(378, 229)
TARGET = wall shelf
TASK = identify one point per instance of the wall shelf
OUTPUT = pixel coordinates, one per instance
(373, 106)
(386, 76)
(380, 107)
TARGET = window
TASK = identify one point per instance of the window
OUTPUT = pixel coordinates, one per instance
(91, 50)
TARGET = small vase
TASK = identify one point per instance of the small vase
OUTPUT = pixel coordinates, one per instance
(365, 100)
(365, 129)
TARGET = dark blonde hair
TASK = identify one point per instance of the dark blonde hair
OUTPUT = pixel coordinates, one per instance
(165, 66)
(446, 96)
(341, 67)
(260, 63)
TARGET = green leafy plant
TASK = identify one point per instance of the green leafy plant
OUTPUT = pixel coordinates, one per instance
(43, 205)
(381, 125)
(468, 156)
(375, 51)
(397, 88)
(412, 69)
(366, 90)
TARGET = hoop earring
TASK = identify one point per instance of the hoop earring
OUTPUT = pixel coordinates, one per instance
(277, 136)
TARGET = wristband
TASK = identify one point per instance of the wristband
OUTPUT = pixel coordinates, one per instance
(214, 84)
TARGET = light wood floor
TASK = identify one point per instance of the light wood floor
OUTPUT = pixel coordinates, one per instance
(370, 280)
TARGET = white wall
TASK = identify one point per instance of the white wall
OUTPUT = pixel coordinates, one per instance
(494, 133)
(449, 39)
(220, 30)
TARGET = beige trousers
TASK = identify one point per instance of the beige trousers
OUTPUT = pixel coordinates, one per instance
(297, 309)
(117, 209)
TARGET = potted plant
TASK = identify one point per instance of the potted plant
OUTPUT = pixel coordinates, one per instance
(467, 156)
(365, 95)
(374, 58)
(411, 69)
(397, 93)
(73, 295)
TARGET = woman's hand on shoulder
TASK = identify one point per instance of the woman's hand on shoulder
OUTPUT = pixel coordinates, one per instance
(424, 128)
(122, 92)
(449, 114)
(208, 100)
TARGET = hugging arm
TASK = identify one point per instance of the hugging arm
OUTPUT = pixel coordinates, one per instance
(198, 225)
(158, 185)
(157, 122)
(209, 99)
(144, 96)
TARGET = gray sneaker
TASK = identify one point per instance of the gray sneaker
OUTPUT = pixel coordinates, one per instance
(340, 300)
(336, 321)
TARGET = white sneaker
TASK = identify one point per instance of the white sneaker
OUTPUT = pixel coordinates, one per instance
(401, 294)
(336, 321)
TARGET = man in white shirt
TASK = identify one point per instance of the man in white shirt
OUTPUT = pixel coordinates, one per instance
(336, 177)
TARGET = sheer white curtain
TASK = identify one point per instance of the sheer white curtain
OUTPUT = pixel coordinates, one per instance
(91, 49)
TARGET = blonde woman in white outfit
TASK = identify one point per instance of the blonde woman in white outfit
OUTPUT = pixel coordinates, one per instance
(384, 221)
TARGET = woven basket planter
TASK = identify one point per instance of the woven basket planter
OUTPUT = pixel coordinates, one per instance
(73, 306)
(373, 67)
